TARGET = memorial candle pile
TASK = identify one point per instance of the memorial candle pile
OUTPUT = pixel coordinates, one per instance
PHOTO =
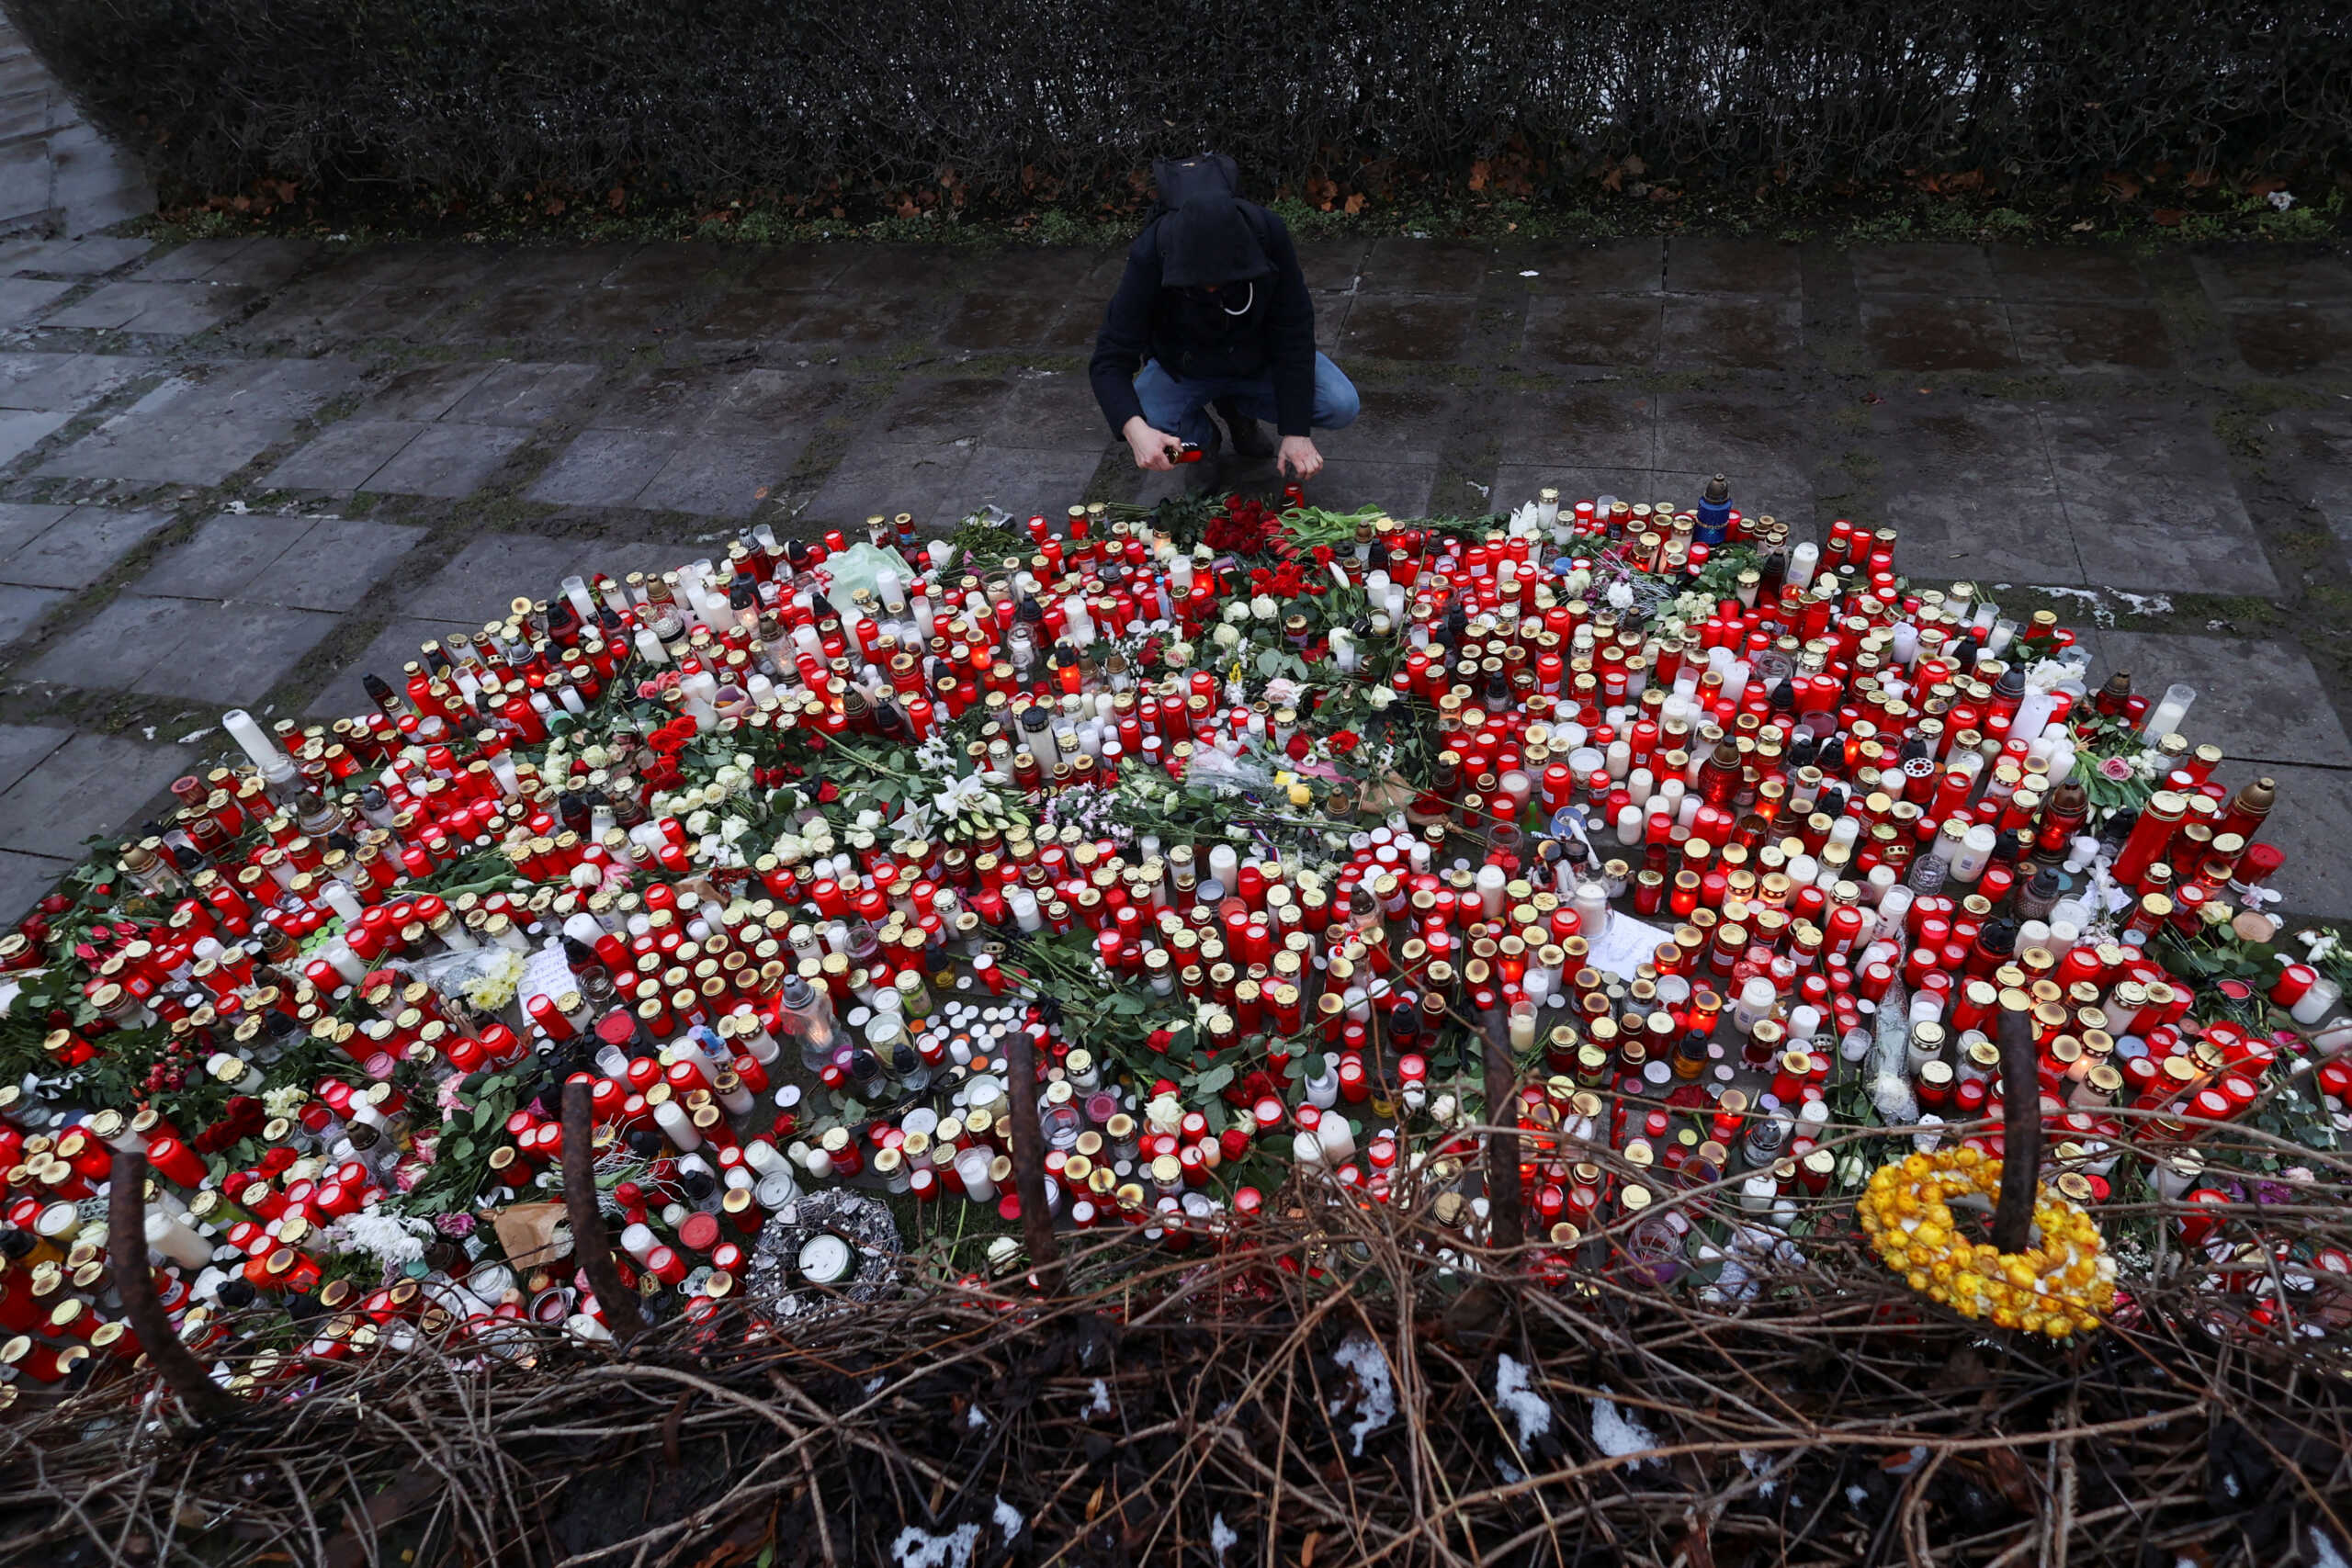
(1256, 822)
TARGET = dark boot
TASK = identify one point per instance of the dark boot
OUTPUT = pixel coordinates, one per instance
(1250, 438)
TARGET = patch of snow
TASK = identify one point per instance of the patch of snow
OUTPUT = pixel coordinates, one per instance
(1756, 1465)
(2325, 1553)
(2145, 604)
(1102, 1402)
(917, 1548)
(975, 1418)
(876, 1386)
(1508, 1472)
(2100, 614)
(1515, 1393)
(149, 731)
(1223, 1537)
(1529, 273)
(1361, 1356)
(1617, 1434)
(1008, 1519)
(1856, 1497)
(191, 737)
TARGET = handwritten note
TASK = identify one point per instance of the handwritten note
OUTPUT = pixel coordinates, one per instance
(1626, 944)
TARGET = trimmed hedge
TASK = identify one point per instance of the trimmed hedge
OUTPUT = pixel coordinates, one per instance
(1012, 102)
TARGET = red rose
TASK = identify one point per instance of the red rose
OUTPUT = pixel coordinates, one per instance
(827, 793)
(1345, 741)
(1160, 1040)
(1298, 745)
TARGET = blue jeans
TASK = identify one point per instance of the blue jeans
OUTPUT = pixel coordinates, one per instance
(1182, 407)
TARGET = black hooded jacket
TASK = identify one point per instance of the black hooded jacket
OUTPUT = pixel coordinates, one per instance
(1210, 240)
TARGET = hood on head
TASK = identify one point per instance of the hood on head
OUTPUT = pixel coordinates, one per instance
(1208, 241)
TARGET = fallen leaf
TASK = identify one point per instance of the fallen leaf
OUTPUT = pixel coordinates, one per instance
(1094, 1504)
(1354, 204)
(2168, 217)
(2197, 179)
(2123, 185)
(1306, 1552)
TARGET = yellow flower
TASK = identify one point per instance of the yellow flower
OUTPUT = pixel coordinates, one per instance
(2058, 1285)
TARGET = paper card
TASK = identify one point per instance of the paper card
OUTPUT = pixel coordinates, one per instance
(1625, 945)
(547, 974)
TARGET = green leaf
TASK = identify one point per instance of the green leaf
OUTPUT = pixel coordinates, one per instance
(1269, 662)
(484, 1114)
(461, 1147)
(1215, 1079)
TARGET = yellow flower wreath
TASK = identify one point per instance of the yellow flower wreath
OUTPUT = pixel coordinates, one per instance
(2062, 1285)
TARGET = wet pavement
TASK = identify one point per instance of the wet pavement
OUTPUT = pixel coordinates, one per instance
(242, 471)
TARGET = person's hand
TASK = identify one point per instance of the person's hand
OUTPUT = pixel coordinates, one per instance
(1299, 458)
(1150, 446)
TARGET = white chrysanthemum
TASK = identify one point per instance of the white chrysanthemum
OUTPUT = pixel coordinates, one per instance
(394, 1240)
(283, 1100)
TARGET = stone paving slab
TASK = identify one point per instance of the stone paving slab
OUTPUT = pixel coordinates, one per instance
(328, 563)
(89, 257)
(2311, 824)
(20, 431)
(25, 879)
(204, 650)
(23, 300)
(1730, 331)
(2257, 701)
(64, 383)
(2294, 339)
(1606, 267)
(88, 785)
(73, 548)
(501, 415)
(134, 306)
(2075, 337)
(1930, 336)
(22, 609)
(200, 428)
(391, 651)
(1969, 486)
(2149, 501)
(1732, 266)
